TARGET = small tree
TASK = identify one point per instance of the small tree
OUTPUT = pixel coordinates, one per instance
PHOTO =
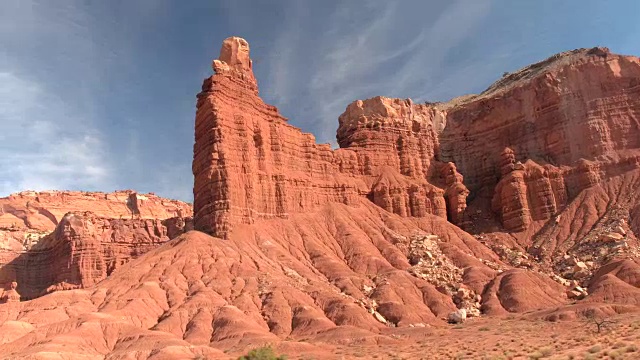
(600, 322)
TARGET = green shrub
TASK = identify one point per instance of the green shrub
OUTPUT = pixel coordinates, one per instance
(546, 352)
(595, 349)
(536, 355)
(615, 355)
(263, 353)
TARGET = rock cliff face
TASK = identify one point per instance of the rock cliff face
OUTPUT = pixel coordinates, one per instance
(43, 210)
(571, 119)
(249, 164)
(527, 192)
(575, 105)
(54, 240)
(84, 249)
(353, 246)
(396, 143)
(532, 141)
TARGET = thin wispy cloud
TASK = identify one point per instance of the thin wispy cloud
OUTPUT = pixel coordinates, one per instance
(60, 66)
(371, 48)
(455, 24)
(45, 145)
(50, 140)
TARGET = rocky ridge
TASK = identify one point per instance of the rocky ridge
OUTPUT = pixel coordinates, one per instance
(60, 240)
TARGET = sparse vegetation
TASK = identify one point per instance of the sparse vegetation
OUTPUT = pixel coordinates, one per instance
(546, 352)
(536, 355)
(540, 354)
(263, 353)
(595, 349)
(599, 322)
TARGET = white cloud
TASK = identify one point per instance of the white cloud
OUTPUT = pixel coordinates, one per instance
(45, 145)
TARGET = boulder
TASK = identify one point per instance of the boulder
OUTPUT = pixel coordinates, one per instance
(457, 317)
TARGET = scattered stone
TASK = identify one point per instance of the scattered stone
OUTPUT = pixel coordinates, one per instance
(379, 317)
(457, 317)
(612, 237)
(11, 295)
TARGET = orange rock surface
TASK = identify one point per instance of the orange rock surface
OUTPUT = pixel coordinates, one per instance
(574, 114)
(83, 250)
(43, 210)
(55, 240)
(250, 164)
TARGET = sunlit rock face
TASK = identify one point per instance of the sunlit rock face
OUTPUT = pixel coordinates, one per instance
(250, 164)
(564, 121)
(569, 120)
(59, 240)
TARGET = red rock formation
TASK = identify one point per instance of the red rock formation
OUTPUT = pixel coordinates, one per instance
(396, 142)
(391, 133)
(312, 275)
(341, 246)
(574, 113)
(122, 225)
(518, 290)
(549, 111)
(83, 250)
(456, 194)
(11, 294)
(43, 210)
(249, 164)
(527, 192)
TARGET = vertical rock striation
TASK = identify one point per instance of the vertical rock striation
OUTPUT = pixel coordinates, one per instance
(84, 249)
(250, 164)
(532, 141)
(570, 120)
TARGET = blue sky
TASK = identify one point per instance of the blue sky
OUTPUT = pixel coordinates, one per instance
(100, 95)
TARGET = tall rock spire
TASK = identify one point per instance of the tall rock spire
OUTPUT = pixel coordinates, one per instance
(249, 164)
(234, 60)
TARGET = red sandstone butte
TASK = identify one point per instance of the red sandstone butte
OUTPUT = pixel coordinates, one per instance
(250, 164)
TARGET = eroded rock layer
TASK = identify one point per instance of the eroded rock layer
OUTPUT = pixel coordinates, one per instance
(84, 249)
(574, 115)
(531, 142)
(527, 141)
(249, 164)
(43, 210)
(58, 240)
